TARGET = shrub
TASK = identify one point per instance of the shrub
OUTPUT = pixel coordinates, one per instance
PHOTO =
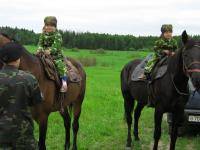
(75, 49)
(106, 64)
(88, 61)
(99, 51)
(131, 49)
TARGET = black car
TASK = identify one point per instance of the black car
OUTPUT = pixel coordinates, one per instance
(192, 111)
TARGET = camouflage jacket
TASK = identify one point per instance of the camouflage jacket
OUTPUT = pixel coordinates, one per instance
(164, 44)
(52, 41)
(18, 91)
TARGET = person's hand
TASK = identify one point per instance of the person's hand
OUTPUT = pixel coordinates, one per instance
(172, 53)
(37, 51)
(47, 52)
(167, 52)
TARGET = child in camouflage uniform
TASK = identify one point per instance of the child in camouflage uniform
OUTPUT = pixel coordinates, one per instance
(50, 42)
(166, 45)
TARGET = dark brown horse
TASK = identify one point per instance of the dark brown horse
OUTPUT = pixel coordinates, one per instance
(170, 93)
(74, 97)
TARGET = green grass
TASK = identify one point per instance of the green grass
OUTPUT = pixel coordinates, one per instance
(102, 125)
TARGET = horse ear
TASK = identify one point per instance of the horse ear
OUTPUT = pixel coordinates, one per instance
(184, 37)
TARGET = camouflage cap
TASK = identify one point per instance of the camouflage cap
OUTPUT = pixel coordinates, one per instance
(10, 52)
(166, 27)
(50, 20)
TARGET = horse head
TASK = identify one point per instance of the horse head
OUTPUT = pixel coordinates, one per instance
(4, 39)
(191, 59)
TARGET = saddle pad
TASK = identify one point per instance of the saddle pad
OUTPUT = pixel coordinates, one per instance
(139, 70)
(50, 69)
(158, 71)
(72, 71)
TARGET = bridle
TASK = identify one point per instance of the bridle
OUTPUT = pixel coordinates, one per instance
(187, 68)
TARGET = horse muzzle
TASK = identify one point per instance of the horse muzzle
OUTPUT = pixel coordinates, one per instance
(195, 78)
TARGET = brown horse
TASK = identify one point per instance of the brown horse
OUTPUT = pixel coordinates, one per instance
(73, 99)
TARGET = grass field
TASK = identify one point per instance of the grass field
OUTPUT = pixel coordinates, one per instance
(102, 125)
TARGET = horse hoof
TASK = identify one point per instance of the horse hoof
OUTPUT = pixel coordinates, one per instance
(127, 148)
(67, 148)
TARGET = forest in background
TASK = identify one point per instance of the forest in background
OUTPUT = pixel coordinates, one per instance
(87, 40)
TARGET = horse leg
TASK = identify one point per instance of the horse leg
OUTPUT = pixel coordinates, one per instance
(67, 123)
(176, 120)
(157, 131)
(43, 120)
(128, 106)
(75, 124)
(137, 114)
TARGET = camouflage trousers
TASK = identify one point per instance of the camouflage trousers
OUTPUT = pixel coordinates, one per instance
(61, 67)
(59, 64)
(150, 64)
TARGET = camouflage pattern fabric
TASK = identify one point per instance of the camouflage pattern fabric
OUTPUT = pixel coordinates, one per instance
(53, 42)
(50, 20)
(166, 27)
(18, 92)
(160, 45)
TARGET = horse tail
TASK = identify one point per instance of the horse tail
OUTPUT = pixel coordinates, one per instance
(124, 79)
(82, 72)
(128, 103)
(125, 89)
(126, 73)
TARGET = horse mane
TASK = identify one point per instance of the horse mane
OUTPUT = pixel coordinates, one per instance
(175, 61)
(191, 43)
(30, 55)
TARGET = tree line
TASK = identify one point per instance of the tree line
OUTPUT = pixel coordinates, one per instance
(87, 40)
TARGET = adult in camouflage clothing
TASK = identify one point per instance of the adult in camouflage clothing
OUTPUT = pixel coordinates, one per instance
(50, 42)
(19, 91)
(166, 45)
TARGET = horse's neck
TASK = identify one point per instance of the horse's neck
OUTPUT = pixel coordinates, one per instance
(175, 65)
(175, 68)
(30, 63)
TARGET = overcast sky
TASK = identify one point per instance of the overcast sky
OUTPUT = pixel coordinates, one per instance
(136, 17)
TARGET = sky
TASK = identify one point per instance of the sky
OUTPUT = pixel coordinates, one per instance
(135, 17)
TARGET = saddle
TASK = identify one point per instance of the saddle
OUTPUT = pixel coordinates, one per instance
(51, 72)
(158, 71)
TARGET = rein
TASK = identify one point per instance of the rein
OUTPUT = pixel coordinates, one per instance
(172, 79)
(177, 90)
(187, 68)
